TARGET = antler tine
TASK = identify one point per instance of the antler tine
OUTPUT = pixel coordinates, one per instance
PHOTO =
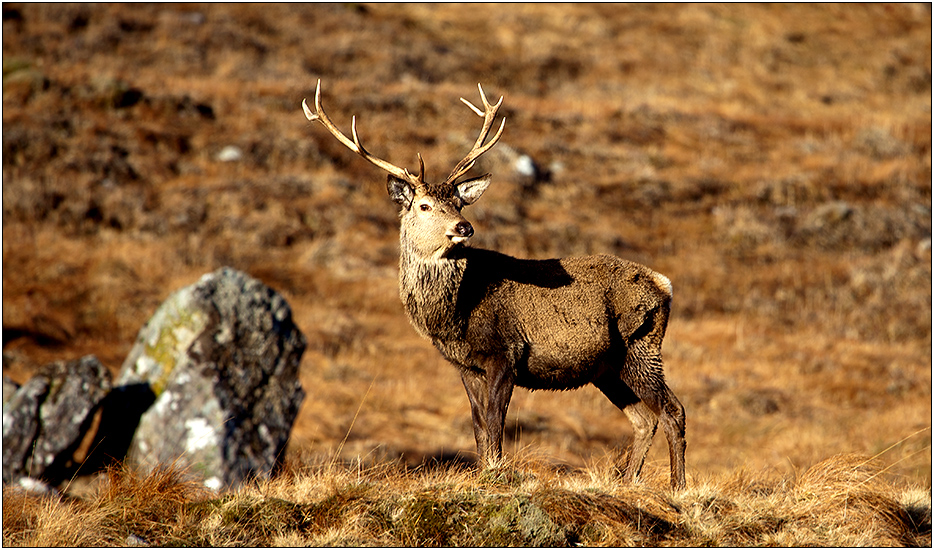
(489, 114)
(355, 145)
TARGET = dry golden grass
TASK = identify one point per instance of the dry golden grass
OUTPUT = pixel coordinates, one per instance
(125, 504)
(841, 501)
(773, 160)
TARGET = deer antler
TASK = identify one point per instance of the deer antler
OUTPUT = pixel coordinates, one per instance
(488, 114)
(356, 146)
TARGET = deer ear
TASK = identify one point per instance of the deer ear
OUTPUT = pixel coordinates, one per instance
(400, 191)
(470, 190)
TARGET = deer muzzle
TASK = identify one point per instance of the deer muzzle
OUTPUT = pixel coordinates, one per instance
(461, 232)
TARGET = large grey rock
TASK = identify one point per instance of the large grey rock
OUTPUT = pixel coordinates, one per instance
(220, 359)
(46, 419)
(9, 388)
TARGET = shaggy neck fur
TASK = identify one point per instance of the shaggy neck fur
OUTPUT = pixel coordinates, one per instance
(429, 289)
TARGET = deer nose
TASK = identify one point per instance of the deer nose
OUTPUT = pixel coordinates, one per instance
(463, 229)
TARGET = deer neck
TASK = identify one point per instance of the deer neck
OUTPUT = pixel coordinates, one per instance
(429, 290)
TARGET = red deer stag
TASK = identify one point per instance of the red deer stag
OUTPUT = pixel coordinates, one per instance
(540, 324)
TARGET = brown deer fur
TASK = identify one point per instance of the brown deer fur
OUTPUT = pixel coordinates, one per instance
(540, 324)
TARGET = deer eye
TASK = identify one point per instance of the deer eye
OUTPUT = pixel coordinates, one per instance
(424, 207)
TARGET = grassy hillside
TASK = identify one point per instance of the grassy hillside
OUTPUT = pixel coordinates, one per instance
(841, 501)
(774, 161)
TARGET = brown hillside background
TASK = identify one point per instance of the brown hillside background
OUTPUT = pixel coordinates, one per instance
(774, 161)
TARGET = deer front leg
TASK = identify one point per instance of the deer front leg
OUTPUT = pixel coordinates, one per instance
(501, 381)
(476, 386)
(489, 393)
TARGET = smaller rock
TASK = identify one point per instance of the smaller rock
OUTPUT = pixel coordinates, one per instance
(36, 486)
(923, 246)
(880, 144)
(525, 166)
(136, 540)
(230, 153)
(21, 427)
(194, 18)
(46, 419)
(829, 214)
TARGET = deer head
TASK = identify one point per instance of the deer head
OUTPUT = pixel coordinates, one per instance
(431, 220)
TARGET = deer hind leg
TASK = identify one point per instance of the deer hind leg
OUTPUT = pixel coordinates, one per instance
(643, 373)
(643, 420)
